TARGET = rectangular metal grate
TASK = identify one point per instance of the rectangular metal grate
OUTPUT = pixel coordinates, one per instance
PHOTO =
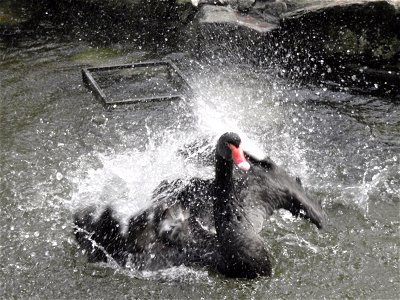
(138, 82)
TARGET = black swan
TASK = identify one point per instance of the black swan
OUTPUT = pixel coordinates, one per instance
(214, 223)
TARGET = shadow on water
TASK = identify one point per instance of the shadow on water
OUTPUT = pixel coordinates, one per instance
(60, 150)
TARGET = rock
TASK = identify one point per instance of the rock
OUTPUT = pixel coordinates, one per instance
(240, 5)
(245, 5)
(225, 32)
(224, 15)
(365, 33)
(275, 8)
(212, 2)
(362, 28)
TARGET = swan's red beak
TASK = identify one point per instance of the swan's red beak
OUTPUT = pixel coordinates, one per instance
(238, 157)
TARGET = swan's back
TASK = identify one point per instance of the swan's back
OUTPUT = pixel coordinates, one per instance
(177, 228)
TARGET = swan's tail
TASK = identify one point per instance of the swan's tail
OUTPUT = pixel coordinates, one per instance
(100, 238)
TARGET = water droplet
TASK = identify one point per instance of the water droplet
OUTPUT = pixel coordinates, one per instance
(59, 176)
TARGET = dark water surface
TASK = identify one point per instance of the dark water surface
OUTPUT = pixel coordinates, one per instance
(61, 150)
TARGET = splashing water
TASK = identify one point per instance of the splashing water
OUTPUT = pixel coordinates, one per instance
(373, 177)
(126, 180)
(62, 151)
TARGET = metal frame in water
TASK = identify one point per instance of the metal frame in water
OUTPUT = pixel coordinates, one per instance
(182, 92)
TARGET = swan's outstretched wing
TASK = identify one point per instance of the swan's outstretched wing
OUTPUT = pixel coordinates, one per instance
(269, 187)
(180, 220)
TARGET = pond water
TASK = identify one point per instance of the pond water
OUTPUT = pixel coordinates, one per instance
(61, 151)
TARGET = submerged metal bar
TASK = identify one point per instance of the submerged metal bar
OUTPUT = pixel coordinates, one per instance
(89, 80)
(183, 77)
(147, 99)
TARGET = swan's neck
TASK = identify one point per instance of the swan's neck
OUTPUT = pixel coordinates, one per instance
(223, 176)
(241, 248)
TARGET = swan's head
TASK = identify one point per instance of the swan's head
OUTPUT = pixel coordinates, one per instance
(229, 148)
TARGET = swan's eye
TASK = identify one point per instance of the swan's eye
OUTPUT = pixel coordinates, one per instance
(232, 147)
